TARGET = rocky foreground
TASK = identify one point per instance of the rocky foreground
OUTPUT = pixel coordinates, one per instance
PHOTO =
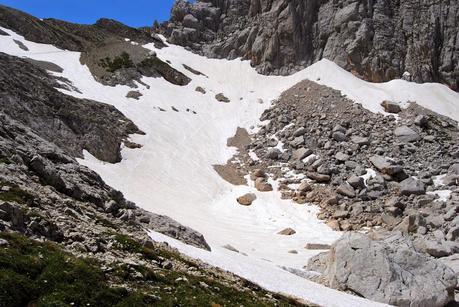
(394, 176)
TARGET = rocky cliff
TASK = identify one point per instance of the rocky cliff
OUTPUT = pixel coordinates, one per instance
(378, 40)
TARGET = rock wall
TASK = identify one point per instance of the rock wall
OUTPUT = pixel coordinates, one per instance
(378, 40)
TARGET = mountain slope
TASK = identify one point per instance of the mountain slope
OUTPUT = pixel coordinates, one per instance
(186, 133)
(378, 40)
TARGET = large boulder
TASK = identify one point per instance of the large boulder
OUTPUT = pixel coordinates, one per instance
(389, 271)
(406, 134)
(412, 186)
(389, 167)
(391, 107)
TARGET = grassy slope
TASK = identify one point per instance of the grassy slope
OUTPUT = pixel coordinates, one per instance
(42, 273)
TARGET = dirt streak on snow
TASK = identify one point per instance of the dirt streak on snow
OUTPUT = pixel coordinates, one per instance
(172, 174)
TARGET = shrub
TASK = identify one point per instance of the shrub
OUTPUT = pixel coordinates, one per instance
(121, 61)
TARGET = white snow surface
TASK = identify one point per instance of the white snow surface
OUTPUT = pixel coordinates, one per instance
(172, 173)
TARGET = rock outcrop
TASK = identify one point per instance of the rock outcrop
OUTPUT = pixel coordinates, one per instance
(70, 36)
(110, 49)
(44, 192)
(389, 271)
(367, 176)
(378, 40)
(29, 95)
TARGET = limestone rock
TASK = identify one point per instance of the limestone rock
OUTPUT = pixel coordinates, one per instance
(247, 199)
(372, 39)
(222, 98)
(287, 232)
(412, 186)
(406, 134)
(321, 178)
(262, 185)
(399, 275)
(391, 107)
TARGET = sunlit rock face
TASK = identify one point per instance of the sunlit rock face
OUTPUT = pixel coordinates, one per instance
(378, 40)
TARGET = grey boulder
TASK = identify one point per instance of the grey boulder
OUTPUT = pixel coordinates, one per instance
(389, 271)
(412, 186)
(406, 134)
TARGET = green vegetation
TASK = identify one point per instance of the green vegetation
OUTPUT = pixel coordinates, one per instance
(44, 275)
(14, 194)
(155, 25)
(41, 273)
(104, 222)
(121, 61)
(4, 160)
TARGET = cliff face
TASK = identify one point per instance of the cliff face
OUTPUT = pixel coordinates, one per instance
(378, 40)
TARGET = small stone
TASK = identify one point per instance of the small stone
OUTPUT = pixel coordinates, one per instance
(356, 182)
(320, 178)
(298, 141)
(247, 199)
(406, 134)
(360, 140)
(287, 232)
(411, 186)
(167, 265)
(273, 154)
(299, 131)
(301, 153)
(340, 214)
(333, 224)
(339, 136)
(222, 98)
(257, 173)
(391, 107)
(262, 185)
(317, 246)
(453, 234)
(230, 248)
(200, 90)
(304, 187)
(134, 95)
(341, 157)
(346, 190)
(421, 121)
(111, 206)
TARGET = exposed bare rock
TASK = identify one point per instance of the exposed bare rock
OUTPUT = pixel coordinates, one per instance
(222, 98)
(389, 271)
(391, 107)
(29, 94)
(378, 40)
(262, 185)
(287, 232)
(247, 199)
(134, 95)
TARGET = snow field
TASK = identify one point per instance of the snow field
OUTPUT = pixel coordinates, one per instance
(172, 173)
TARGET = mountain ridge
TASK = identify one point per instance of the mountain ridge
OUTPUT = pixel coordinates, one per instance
(378, 40)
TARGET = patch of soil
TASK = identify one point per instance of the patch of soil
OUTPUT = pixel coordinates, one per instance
(230, 173)
(240, 140)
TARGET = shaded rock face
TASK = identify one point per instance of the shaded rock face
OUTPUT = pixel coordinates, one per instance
(44, 191)
(29, 95)
(105, 40)
(389, 271)
(378, 40)
(65, 35)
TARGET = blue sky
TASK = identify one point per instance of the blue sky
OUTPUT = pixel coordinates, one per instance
(135, 13)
